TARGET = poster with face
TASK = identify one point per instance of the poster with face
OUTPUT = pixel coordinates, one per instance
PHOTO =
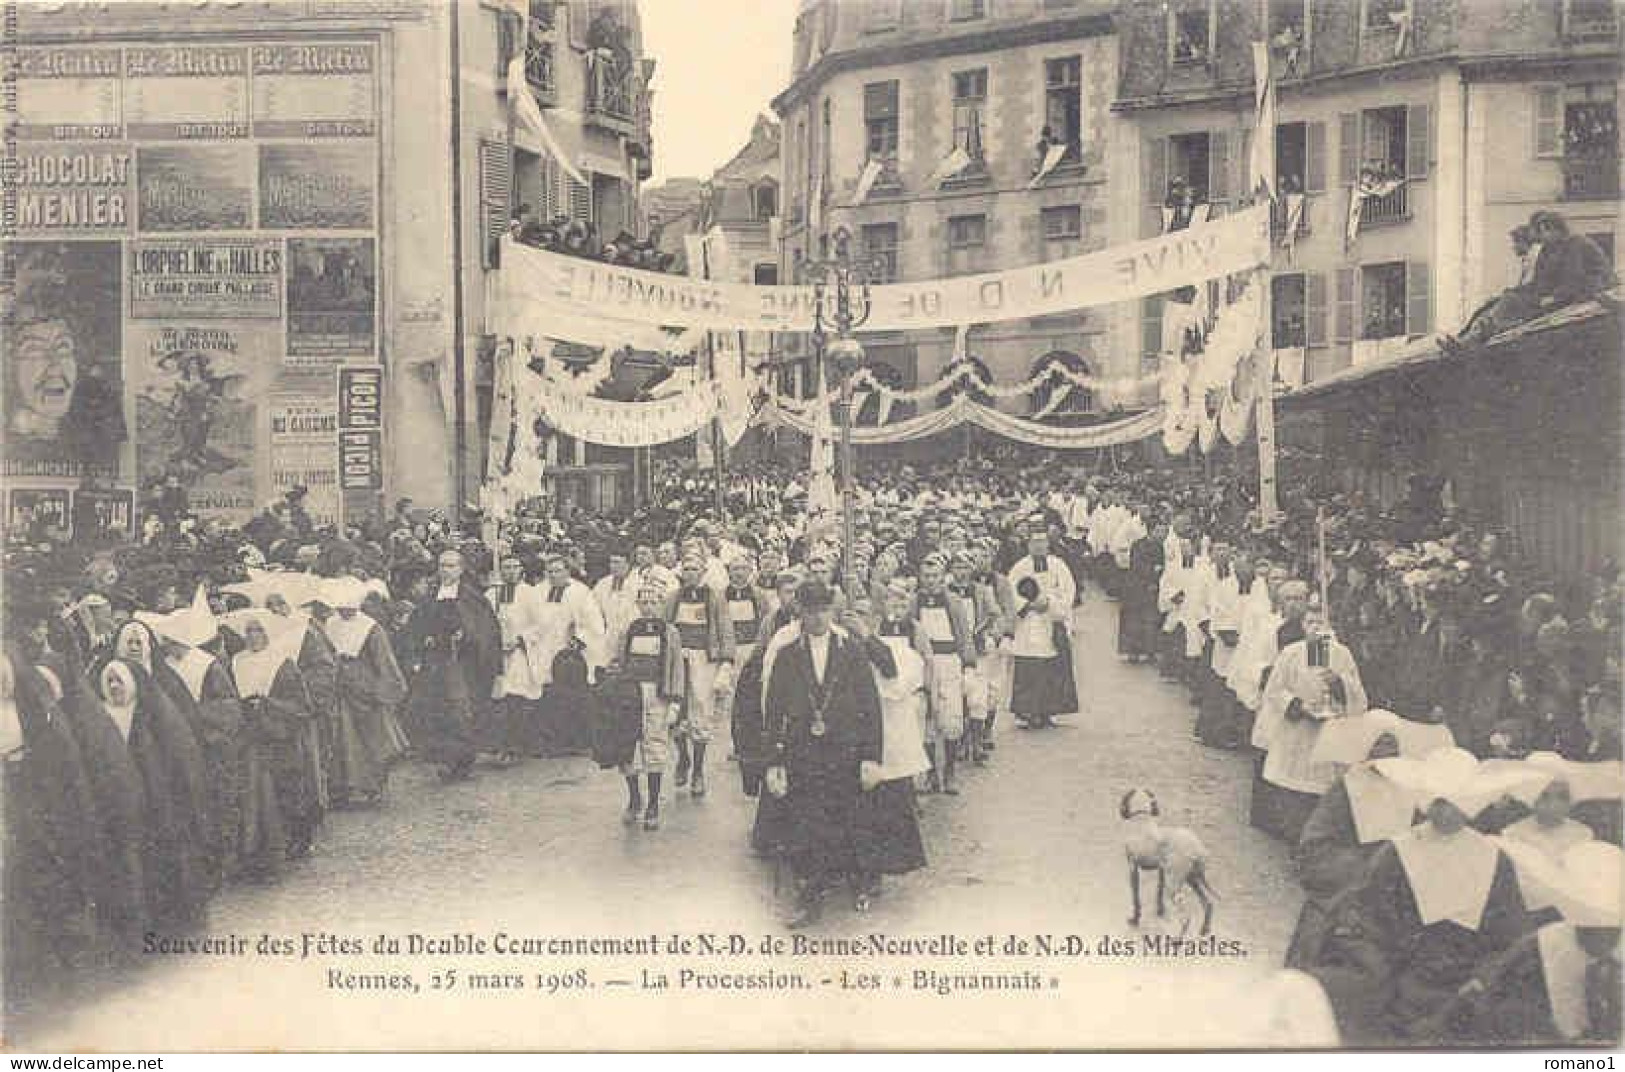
(196, 415)
(64, 390)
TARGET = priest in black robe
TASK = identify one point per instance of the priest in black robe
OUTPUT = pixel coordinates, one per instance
(457, 645)
(824, 717)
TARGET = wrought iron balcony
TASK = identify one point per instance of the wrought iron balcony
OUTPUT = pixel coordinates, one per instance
(1593, 21)
(610, 99)
(1591, 178)
(1392, 208)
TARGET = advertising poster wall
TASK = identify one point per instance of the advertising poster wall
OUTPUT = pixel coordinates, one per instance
(206, 277)
(36, 510)
(185, 92)
(77, 190)
(68, 94)
(324, 186)
(196, 411)
(315, 91)
(195, 303)
(196, 188)
(332, 297)
(63, 360)
(103, 513)
(303, 432)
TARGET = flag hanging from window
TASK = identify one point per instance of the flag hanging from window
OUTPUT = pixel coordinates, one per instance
(1261, 166)
(951, 165)
(866, 180)
(1052, 157)
(529, 116)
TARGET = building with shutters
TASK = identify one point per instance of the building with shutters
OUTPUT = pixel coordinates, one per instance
(904, 86)
(1474, 114)
(584, 66)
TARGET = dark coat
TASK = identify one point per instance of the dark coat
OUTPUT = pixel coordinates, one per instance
(821, 822)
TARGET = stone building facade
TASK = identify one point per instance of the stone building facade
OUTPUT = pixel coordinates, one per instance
(905, 85)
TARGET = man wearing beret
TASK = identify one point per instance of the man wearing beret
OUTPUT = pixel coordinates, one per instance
(824, 737)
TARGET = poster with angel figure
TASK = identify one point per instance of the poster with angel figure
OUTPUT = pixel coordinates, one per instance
(196, 417)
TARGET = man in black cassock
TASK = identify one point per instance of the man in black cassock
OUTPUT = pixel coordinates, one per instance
(456, 647)
(824, 724)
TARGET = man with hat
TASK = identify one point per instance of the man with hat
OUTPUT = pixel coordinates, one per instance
(824, 727)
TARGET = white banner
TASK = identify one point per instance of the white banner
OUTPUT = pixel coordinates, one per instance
(533, 278)
(964, 410)
(627, 424)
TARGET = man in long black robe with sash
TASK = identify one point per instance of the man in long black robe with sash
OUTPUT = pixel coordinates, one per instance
(823, 714)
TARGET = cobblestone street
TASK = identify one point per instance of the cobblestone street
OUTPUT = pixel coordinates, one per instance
(1033, 846)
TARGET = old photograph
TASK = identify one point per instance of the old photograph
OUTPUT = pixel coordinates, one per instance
(833, 525)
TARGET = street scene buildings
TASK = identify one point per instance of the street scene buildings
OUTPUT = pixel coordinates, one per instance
(1035, 442)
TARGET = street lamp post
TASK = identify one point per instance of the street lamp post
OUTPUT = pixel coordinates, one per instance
(836, 277)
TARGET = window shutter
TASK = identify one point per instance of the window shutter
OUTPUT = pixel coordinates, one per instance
(496, 197)
(1418, 299)
(1343, 327)
(1314, 309)
(580, 200)
(1314, 178)
(1348, 148)
(1548, 120)
(1418, 141)
(1156, 171)
(1151, 328)
(1218, 167)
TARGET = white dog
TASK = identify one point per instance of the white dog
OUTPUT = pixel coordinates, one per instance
(1175, 853)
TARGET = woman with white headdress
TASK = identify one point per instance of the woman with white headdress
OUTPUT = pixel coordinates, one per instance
(367, 738)
(1561, 984)
(171, 768)
(280, 722)
(1444, 895)
(216, 732)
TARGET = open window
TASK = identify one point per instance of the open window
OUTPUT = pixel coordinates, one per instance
(966, 10)
(764, 200)
(1386, 15)
(1192, 33)
(1190, 165)
(880, 120)
(1063, 106)
(1382, 301)
(970, 109)
(1289, 308)
(1590, 20)
(1288, 29)
(1580, 124)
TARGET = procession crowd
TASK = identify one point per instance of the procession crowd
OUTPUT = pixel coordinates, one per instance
(1435, 725)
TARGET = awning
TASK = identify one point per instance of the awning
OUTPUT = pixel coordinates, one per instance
(1429, 353)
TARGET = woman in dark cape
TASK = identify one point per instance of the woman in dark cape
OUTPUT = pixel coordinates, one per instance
(214, 717)
(367, 739)
(121, 805)
(171, 768)
(279, 717)
(54, 845)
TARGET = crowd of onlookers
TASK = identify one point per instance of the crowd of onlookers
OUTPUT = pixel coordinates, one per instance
(190, 703)
(578, 238)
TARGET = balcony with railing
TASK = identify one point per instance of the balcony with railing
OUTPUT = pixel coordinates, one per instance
(1590, 178)
(611, 99)
(1391, 208)
(1590, 20)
